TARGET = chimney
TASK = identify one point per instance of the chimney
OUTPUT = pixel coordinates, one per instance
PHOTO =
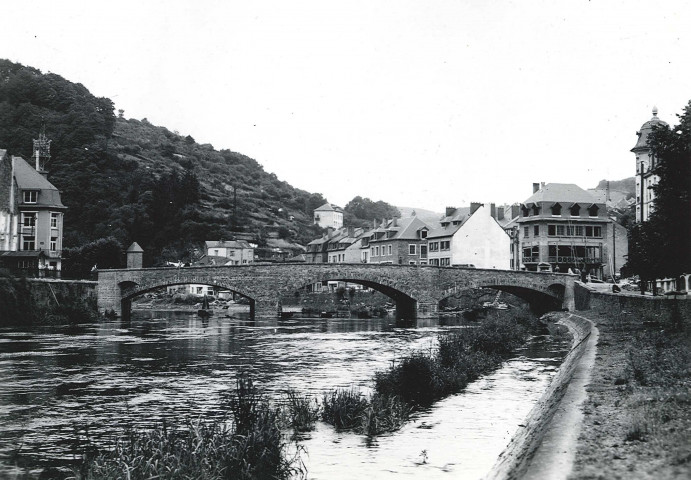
(500, 213)
(351, 231)
(515, 210)
(536, 187)
(374, 223)
(449, 211)
(542, 184)
(493, 210)
(474, 206)
(394, 222)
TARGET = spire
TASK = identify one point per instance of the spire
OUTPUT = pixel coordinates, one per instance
(42, 150)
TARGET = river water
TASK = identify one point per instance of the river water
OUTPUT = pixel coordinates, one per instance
(61, 384)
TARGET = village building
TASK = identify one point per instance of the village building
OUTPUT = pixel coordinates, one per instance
(401, 241)
(328, 216)
(230, 252)
(470, 237)
(645, 169)
(31, 215)
(562, 228)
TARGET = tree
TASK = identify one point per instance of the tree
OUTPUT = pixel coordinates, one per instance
(660, 247)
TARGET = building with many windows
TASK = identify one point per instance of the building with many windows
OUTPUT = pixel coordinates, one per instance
(401, 241)
(231, 252)
(645, 169)
(328, 216)
(31, 215)
(561, 228)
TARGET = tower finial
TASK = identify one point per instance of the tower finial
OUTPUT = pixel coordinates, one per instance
(654, 111)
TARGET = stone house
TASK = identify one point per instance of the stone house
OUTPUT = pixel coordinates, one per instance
(235, 252)
(31, 215)
(401, 241)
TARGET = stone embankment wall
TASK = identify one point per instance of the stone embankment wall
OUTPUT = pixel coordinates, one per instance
(515, 459)
(45, 292)
(633, 308)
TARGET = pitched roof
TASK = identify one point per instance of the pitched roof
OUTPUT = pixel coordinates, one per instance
(28, 178)
(460, 214)
(329, 207)
(567, 193)
(227, 244)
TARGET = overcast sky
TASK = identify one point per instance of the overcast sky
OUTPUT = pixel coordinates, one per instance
(419, 103)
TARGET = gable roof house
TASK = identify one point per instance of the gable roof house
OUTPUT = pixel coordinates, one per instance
(470, 237)
(400, 241)
(31, 215)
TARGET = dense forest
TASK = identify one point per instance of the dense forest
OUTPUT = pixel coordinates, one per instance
(127, 180)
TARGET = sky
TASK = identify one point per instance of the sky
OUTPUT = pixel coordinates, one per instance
(423, 104)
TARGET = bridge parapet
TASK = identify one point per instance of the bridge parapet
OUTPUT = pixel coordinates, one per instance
(413, 287)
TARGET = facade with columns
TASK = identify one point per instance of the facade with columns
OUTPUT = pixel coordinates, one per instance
(645, 169)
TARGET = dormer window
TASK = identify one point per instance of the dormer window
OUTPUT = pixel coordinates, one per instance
(30, 196)
(575, 210)
(536, 209)
(525, 211)
(592, 211)
(423, 233)
(556, 210)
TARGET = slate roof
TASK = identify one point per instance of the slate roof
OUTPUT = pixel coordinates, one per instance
(227, 244)
(329, 207)
(27, 178)
(646, 129)
(564, 193)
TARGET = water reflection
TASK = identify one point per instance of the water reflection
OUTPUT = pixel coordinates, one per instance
(59, 385)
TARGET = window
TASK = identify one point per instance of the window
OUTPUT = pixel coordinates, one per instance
(570, 230)
(412, 262)
(433, 246)
(526, 231)
(28, 242)
(561, 230)
(423, 252)
(29, 219)
(536, 210)
(575, 210)
(54, 219)
(551, 230)
(376, 251)
(53, 244)
(597, 231)
(592, 211)
(579, 230)
(444, 244)
(30, 196)
(390, 250)
(444, 262)
(434, 261)
(412, 249)
(525, 211)
(423, 233)
(536, 230)
(556, 210)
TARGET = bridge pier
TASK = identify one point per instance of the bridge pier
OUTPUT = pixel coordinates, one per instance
(266, 309)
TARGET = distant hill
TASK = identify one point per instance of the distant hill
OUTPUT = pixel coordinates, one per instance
(425, 215)
(620, 192)
(134, 181)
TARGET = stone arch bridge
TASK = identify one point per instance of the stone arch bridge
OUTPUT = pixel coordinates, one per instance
(416, 289)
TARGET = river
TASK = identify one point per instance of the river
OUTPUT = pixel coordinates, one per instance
(61, 384)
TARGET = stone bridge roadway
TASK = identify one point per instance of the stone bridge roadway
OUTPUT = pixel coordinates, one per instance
(416, 290)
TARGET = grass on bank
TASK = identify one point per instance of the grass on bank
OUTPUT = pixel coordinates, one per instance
(422, 378)
(251, 446)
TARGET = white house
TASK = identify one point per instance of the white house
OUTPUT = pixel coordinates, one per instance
(470, 237)
(329, 216)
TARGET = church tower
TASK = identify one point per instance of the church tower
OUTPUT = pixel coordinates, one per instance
(41, 153)
(645, 168)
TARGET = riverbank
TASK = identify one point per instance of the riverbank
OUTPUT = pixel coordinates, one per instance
(637, 415)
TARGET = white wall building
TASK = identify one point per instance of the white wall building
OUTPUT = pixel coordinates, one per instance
(329, 216)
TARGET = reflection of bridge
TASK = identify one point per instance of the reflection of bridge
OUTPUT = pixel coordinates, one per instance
(415, 289)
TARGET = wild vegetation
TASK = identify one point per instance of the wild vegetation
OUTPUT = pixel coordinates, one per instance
(128, 180)
(250, 446)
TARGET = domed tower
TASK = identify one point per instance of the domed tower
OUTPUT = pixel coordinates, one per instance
(645, 167)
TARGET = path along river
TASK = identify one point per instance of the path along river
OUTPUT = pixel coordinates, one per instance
(97, 379)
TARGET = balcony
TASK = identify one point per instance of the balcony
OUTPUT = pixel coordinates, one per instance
(534, 259)
(586, 260)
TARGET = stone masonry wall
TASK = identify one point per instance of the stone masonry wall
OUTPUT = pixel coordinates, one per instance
(45, 291)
